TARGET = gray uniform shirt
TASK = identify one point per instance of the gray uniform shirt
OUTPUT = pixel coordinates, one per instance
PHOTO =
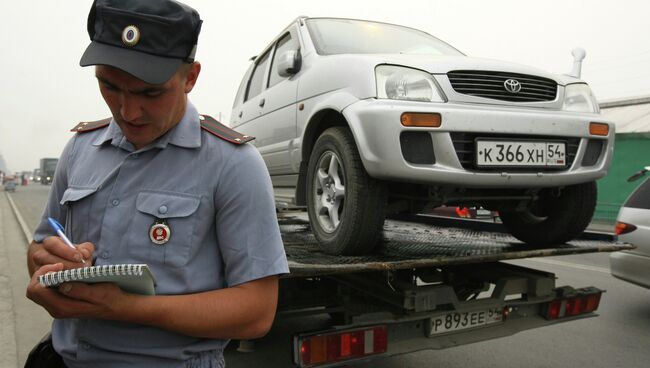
(216, 198)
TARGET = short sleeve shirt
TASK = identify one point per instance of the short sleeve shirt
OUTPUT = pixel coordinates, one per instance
(215, 197)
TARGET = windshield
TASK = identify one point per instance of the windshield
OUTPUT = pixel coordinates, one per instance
(50, 165)
(349, 36)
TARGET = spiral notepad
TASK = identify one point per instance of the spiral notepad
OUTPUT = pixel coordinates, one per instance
(132, 278)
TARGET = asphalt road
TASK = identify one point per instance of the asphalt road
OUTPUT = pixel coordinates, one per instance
(23, 322)
(619, 337)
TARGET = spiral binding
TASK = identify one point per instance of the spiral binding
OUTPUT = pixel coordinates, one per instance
(84, 273)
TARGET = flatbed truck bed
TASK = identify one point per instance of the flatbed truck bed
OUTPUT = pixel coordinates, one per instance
(425, 241)
(432, 284)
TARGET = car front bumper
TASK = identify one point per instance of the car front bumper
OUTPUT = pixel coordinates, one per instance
(376, 126)
(631, 267)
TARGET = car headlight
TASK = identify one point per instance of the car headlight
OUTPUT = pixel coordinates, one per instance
(400, 83)
(579, 98)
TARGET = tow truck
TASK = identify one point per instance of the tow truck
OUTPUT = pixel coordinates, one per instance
(431, 284)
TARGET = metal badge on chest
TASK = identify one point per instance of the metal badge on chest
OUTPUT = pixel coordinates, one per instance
(160, 232)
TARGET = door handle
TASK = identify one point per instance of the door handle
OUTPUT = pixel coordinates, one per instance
(262, 101)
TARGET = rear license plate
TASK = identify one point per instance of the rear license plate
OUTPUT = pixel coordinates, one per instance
(520, 153)
(454, 321)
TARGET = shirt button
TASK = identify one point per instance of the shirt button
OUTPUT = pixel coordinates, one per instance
(85, 345)
(135, 155)
(115, 202)
(162, 210)
(105, 254)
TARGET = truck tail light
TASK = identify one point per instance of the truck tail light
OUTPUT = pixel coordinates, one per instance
(623, 228)
(328, 348)
(583, 301)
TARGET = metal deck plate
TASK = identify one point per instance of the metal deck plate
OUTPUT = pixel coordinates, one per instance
(413, 245)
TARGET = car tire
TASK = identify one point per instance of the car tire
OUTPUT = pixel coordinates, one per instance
(346, 206)
(553, 219)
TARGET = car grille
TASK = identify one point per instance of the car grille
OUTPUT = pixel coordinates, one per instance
(464, 144)
(490, 84)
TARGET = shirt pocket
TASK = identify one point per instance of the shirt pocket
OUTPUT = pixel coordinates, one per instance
(175, 210)
(77, 202)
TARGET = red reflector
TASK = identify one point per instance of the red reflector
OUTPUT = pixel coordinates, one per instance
(574, 307)
(357, 342)
(581, 302)
(623, 228)
(345, 345)
(380, 344)
(305, 352)
(341, 346)
(554, 309)
(333, 348)
(592, 303)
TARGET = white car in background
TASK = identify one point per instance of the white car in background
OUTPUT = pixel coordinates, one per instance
(358, 119)
(633, 226)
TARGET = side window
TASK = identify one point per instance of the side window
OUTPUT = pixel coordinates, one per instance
(239, 97)
(641, 197)
(257, 81)
(286, 43)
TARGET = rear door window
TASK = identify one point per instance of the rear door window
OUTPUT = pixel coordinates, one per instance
(242, 87)
(257, 81)
(640, 198)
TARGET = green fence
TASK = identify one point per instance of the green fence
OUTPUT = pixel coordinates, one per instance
(631, 154)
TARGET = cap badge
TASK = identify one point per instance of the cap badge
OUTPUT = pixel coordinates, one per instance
(159, 233)
(130, 35)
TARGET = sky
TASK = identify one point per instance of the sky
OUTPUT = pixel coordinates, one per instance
(44, 92)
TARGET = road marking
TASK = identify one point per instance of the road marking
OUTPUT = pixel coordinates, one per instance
(570, 265)
(19, 217)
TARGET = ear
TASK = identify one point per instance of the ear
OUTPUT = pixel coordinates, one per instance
(192, 76)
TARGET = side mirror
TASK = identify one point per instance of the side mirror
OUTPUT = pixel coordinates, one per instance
(638, 174)
(289, 63)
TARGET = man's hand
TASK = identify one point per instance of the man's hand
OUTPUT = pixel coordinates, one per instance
(53, 250)
(77, 300)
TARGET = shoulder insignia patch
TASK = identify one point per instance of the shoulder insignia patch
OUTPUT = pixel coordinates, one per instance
(214, 127)
(88, 126)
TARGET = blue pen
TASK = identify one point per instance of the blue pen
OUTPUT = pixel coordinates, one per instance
(59, 231)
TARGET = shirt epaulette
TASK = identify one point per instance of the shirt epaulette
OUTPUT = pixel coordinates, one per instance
(88, 126)
(214, 127)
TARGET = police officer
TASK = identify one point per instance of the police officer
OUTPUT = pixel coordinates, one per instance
(157, 183)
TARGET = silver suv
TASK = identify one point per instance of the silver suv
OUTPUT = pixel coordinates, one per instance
(358, 119)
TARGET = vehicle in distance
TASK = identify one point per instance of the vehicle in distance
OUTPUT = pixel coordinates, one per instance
(633, 226)
(10, 183)
(47, 169)
(357, 120)
(36, 176)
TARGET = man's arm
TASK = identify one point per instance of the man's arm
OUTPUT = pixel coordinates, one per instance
(244, 311)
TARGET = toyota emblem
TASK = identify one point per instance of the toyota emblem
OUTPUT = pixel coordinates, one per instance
(512, 85)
